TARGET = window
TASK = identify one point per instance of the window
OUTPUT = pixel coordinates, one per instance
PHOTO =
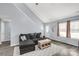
(74, 29)
(47, 29)
(69, 29)
(62, 29)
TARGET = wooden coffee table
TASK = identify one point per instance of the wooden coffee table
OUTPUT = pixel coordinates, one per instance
(44, 43)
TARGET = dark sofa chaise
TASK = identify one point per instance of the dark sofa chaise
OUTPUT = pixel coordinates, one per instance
(27, 42)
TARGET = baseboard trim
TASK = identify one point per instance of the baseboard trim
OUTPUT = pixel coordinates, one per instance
(65, 43)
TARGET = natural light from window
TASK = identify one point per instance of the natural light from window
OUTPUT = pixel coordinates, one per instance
(74, 28)
(62, 29)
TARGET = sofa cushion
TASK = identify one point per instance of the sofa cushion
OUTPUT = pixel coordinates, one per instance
(27, 36)
(31, 35)
(27, 42)
(38, 35)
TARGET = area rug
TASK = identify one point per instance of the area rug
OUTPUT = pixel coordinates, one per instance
(53, 49)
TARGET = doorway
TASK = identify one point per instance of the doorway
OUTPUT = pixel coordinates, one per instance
(5, 32)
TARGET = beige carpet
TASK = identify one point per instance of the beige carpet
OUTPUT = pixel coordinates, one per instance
(56, 49)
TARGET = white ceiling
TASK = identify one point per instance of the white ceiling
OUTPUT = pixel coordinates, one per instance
(48, 12)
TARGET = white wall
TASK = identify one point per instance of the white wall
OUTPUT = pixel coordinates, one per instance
(52, 33)
(20, 22)
(23, 25)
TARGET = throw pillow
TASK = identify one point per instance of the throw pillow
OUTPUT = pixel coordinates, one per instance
(23, 38)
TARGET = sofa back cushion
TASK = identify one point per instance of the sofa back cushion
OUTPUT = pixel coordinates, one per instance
(27, 36)
(31, 35)
(23, 37)
(38, 35)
